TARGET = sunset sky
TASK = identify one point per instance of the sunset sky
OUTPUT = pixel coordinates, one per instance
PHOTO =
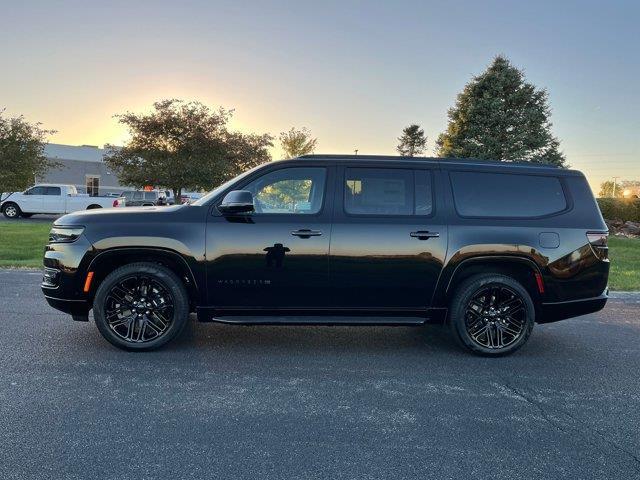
(353, 72)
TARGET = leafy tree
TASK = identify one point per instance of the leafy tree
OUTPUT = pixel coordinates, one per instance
(412, 142)
(22, 153)
(295, 143)
(184, 145)
(607, 188)
(500, 116)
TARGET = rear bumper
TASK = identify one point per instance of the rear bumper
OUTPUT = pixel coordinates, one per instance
(552, 312)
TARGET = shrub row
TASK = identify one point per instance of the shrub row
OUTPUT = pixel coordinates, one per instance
(625, 209)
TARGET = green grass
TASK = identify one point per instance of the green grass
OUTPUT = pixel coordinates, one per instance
(625, 263)
(22, 245)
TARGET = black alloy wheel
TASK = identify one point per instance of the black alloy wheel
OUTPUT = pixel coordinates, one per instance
(141, 306)
(491, 314)
(495, 316)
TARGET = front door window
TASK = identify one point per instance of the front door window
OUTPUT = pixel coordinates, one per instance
(289, 191)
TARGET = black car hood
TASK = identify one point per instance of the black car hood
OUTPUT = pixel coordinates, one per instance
(120, 215)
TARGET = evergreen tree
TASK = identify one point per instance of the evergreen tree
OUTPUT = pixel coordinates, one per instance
(500, 116)
(412, 142)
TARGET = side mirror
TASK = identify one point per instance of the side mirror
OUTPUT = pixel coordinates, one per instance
(236, 201)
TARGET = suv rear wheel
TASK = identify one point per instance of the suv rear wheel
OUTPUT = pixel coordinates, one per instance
(491, 314)
(141, 306)
(11, 210)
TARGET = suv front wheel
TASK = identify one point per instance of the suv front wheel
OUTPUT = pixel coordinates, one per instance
(141, 306)
(491, 314)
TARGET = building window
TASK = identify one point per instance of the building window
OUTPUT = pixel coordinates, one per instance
(93, 185)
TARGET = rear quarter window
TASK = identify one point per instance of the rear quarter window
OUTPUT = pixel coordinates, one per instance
(482, 194)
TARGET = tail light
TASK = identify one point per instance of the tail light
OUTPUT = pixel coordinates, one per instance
(116, 203)
(598, 242)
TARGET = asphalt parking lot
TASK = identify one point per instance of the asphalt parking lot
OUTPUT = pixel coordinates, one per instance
(315, 402)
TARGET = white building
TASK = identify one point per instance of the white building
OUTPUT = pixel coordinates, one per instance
(83, 167)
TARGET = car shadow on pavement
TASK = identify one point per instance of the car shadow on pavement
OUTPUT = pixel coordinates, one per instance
(254, 342)
(315, 339)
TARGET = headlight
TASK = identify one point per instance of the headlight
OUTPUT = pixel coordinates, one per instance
(65, 234)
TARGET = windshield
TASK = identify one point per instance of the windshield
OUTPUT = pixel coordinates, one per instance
(216, 191)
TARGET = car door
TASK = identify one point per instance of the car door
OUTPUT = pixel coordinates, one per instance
(277, 256)
(32, 200)
(54, 200)
(137, 199)
(388, 241)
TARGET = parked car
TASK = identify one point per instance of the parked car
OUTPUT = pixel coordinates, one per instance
(145, 198)
(52, 199)
(190, 197)
(171, 199)
(489, 248)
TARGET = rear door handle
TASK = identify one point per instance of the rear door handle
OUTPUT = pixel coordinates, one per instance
(424, 235)
(306, 233)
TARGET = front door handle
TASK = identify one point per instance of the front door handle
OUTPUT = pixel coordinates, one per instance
(306, 233)
(424, 235)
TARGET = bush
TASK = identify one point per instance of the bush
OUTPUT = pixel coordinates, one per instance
(625, 209)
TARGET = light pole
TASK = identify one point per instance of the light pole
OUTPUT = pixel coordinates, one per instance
(355, 151)
(614, 186)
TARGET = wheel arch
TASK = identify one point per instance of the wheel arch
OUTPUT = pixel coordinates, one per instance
(521, 268)
(93, 206)
(108, 260)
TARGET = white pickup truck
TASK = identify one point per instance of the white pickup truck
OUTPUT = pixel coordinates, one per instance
(52, 199)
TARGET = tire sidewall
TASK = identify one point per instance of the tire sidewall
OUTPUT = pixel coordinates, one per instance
(160, 274)
(458, 307)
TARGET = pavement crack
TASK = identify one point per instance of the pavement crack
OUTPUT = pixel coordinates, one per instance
(577, 425)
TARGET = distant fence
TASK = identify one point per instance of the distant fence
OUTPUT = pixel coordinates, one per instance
(625, 209)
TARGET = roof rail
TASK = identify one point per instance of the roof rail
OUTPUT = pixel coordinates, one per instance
(443, 160)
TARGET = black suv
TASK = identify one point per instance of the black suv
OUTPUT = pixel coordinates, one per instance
(489, 248)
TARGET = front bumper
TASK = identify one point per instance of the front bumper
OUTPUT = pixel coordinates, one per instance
(65, 265)
(77, 308)
(554, 311)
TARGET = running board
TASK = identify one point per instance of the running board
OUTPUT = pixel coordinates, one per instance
(432, 315)
(317, 320)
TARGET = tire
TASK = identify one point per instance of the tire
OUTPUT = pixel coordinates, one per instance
(486, 312)
(130, 324)
(11, 211)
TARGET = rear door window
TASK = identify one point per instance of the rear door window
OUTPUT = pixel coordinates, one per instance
(53, 191)
(387, 191)
(482, 194)
(149, 196)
